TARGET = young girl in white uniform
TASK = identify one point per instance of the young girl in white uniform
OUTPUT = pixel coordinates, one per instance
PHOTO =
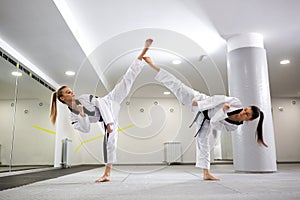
(219, 112)
(91, 109)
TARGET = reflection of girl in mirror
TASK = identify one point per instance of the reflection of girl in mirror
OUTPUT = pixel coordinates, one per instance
(219, 112)
(88, 109)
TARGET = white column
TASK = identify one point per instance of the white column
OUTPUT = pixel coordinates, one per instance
(248, 80)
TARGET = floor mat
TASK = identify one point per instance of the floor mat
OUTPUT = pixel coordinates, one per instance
(13, 181)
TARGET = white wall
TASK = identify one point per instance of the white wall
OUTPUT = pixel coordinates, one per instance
(287, 129)
(144, 142)
(141, 143)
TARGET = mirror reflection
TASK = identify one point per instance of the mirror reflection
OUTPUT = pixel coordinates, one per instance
(27, 138)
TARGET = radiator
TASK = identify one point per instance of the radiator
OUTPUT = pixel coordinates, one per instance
(172, 151)
(65, 163)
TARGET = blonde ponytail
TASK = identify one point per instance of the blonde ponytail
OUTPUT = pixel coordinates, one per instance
(53, 107)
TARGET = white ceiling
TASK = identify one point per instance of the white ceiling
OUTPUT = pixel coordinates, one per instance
(99, 39)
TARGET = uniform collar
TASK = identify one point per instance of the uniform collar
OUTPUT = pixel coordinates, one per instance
(233, 122)
(86, 111)
(233, 113)
(73, 110)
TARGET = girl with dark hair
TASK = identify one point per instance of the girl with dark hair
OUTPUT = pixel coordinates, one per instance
(88, 109)
(218, 112)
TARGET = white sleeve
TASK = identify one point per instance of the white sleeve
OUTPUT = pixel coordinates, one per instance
(218, 116)
(210, 102)
(217, 122)
(80, 123)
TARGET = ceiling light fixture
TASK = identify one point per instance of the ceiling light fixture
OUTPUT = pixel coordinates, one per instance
(70, 73)
(284, 62)
(16, 73)
(167, 93)
(176, 62)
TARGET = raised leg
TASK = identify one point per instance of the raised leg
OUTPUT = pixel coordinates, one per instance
(121, 90)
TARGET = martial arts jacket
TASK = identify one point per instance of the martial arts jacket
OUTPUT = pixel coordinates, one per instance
(218, 118)
(96, 109)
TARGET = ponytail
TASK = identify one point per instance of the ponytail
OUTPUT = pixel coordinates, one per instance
(259, 130)
(256, 112)
(53, 107)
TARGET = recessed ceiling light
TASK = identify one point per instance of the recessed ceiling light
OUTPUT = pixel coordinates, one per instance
(176, 62)
(284, 62)
(70, 73)
(16, 73)
(167, 93)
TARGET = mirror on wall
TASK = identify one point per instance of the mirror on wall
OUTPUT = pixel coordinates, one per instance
(27, 137)
(7, 98)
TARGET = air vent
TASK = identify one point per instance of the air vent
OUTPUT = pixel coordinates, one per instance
(21, 67)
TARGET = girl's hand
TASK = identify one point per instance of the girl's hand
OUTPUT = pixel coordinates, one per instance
(80, 109)
(108, 128)
(194, 103)
(226, 107)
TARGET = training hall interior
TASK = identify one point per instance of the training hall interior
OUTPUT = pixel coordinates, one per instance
(243, 49)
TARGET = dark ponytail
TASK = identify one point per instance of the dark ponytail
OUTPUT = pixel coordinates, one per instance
(259, 131)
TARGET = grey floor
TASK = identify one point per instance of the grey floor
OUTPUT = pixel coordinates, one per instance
(166, 182)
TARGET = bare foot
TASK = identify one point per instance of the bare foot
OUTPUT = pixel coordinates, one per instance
(209, 177)
(103, 179)
(148, 43)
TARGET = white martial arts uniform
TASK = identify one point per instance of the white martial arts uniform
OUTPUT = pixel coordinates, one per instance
(213, 104)
(106, 109)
